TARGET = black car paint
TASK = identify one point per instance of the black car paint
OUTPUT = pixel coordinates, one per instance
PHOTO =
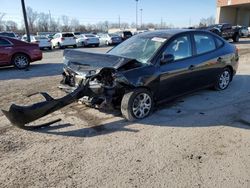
(107, 85)
(180, 77)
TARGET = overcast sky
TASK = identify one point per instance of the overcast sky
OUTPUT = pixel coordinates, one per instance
(179, 13)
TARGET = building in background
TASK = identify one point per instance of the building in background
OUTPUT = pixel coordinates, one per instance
(235, 12)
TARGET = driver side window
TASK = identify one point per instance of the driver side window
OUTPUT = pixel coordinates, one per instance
(180, 48)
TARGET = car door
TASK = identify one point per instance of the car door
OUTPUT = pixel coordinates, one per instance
(205, 58)
(176, 77)
(227, 31)
(5, 51)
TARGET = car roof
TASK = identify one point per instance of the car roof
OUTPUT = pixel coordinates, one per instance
(164, 33)
(168, 33)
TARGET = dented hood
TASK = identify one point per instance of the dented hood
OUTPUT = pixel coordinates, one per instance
(80, 61)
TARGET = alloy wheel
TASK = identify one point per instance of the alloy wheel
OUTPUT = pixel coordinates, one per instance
(224, 79)
(142, 105)
(21, 61)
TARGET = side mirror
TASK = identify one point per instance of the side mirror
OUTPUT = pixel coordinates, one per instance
(167, 58)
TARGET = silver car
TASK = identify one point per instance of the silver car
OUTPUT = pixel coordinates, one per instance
(87, 40)
(110, 39)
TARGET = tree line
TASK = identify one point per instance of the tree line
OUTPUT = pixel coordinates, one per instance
(44, 22)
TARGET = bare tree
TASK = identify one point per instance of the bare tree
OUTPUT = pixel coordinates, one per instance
(32, 18)
(54, 25)
(207, 21)
(43, 23)
(74, 24)
(81, 28)
(124, 25)
(151, 25)
(1, 21)
(11, 26)
(65, 23)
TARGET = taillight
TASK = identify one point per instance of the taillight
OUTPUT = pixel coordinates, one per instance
(62, 38)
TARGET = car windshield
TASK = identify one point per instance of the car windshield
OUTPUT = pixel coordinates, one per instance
(140, 48)
(89, 35)
(67, 35)
(219, 26)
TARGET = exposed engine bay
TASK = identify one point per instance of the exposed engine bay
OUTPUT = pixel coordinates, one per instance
(103, 89)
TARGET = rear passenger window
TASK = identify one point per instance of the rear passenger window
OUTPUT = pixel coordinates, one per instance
(219, 42)
(204, 43)
(4, 42)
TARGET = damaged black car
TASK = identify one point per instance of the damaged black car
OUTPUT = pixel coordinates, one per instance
(144, 70)
(151, 67)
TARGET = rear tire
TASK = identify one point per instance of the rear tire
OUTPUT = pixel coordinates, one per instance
(236, 38)
(137, 104)
(223, 80)
(21, 61)
(60, 46)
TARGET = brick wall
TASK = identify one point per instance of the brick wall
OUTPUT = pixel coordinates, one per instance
(233, 2)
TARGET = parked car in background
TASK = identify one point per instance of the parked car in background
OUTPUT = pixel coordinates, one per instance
(87, 40)
(77, 34)
(109, 39)
(243, 31)
(18, 53)
(9, 34)
(150, 68)
(125, 34)
(42, 41)
(226, 31)
(50, 36)
(62, 40)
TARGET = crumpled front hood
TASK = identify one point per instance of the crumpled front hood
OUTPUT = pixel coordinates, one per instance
(81, 62)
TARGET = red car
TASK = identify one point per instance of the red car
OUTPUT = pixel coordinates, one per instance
(18, 53)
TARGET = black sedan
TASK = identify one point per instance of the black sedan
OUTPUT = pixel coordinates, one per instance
(152, 67)
(146, 69)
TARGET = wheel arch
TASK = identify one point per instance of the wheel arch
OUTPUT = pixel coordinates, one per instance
(22, 53)
(232, 71)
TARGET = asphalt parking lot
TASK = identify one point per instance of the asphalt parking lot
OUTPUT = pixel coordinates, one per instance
(200, 140)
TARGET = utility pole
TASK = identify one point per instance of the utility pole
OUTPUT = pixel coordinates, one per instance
(119, 22)
(141, 17)
(190, 22)
(49, 20)
(25, 21)
(161, 23)
(136, 23)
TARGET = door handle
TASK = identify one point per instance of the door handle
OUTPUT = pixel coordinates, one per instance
(191, 67)
(219, 59)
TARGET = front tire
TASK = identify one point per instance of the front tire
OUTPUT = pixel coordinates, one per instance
(21, 61)
(137, 104)
(223, 80)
